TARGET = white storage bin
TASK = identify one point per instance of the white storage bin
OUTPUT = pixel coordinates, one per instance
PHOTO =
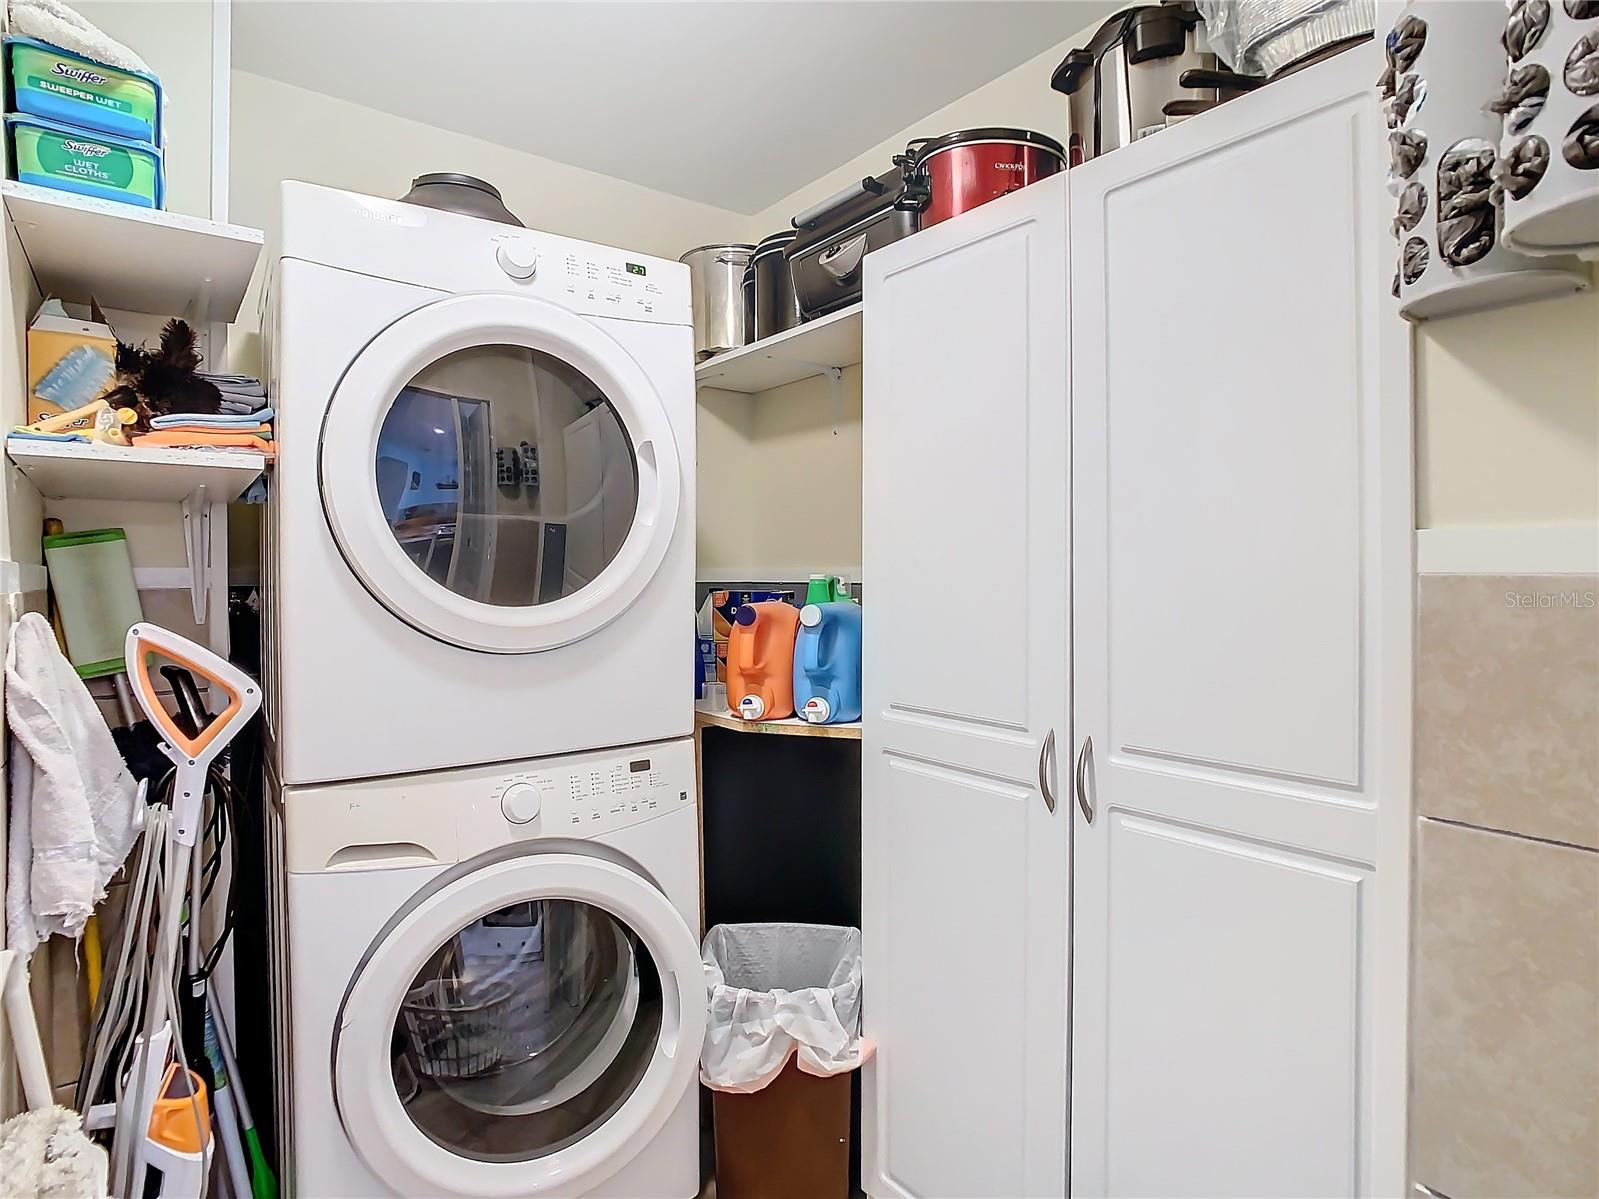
(1559, 213)
(1442, 95)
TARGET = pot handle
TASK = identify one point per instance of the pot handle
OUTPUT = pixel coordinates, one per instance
(844, 260)
(917, 193)
(1198, 78)
(813, 215)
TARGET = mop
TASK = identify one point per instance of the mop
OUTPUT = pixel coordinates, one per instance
(160, 1117)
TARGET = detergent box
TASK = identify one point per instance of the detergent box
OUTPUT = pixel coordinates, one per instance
(46, 81)
(100, 165)
(70, 360)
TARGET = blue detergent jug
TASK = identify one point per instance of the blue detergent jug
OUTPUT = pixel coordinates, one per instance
(827, 663)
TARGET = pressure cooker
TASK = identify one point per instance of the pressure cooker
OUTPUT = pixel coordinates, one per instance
(1145, 68)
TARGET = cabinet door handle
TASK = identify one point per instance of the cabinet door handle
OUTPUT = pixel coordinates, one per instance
(1044, 752)
(1083, 755)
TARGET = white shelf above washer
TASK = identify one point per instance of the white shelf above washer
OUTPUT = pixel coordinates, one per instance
(84, 470)
(136, 259)
(815, 348)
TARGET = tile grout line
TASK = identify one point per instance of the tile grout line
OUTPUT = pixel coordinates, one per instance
(1505, 832)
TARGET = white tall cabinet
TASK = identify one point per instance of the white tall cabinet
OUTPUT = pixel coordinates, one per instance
(1182, 337)
(965, 828)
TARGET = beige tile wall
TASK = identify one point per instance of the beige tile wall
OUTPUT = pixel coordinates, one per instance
(1505, 996)
(1507, 704)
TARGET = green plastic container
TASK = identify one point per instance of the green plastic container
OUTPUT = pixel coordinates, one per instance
(92, 577)
(66, 158)
(46, 81)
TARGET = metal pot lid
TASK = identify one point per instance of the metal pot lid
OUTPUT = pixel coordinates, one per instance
(972, 137)
(449, 191)
(776, 243)
(740, 247)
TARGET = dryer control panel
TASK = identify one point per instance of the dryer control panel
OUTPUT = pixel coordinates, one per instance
(390, 239)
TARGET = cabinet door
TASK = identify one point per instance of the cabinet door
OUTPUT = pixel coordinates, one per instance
(1230, 478)
(964, 860)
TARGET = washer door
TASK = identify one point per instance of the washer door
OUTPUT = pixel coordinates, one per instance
(522, 1029)
(499, 473)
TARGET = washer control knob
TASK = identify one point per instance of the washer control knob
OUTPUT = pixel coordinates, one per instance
(517, 259)
(520, 802)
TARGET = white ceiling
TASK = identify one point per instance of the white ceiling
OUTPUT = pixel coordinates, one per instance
(732, 104)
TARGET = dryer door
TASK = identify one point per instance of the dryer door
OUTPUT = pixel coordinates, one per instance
(524, 1027)
(499, 473)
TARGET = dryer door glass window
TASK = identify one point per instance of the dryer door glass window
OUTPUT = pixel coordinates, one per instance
(506, 475)
(526, 1030)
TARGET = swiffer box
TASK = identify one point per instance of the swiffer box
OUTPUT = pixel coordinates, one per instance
(58, 85)
(66, 158)
(70, 360)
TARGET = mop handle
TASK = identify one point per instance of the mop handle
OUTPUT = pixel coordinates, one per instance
(191, 755)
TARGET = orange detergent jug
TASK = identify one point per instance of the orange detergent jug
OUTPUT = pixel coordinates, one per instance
(760, 661)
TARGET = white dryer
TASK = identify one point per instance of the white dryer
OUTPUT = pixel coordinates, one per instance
(487, 980)
(480, 537)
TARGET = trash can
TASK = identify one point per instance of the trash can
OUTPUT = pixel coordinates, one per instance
(782, 1035)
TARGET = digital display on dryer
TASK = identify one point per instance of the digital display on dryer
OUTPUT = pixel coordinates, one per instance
(636, 268)
(638, 767)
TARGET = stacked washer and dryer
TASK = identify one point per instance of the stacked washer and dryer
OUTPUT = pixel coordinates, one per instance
(479, 594)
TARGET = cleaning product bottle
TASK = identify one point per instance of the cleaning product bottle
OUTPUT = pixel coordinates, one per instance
(825, 589)
(760, 660)
(827, 663)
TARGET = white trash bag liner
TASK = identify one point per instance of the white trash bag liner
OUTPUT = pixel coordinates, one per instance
(779, 990)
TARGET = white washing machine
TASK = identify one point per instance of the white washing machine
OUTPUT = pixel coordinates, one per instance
(487, 980)
(480, 537)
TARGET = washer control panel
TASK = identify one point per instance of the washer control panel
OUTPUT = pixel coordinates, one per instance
(595, 793)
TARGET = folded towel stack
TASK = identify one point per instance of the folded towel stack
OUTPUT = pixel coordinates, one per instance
(241, 394)
(225, 430)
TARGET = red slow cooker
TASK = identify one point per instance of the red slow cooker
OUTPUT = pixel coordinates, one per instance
(946, 176)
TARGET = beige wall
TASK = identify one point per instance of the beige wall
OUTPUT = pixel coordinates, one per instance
(281, 132)
(1507, 416)
(780, 481)
(174, 37)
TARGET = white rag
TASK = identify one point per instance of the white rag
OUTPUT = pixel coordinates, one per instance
(74, 806)
(53, 22)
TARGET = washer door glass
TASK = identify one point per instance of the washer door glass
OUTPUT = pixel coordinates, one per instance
(523, 1026)
(526, 1030)
(506, 475)
(500, 473)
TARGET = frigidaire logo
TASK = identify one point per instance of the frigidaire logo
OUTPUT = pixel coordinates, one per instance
(78, 73)
(86, 149)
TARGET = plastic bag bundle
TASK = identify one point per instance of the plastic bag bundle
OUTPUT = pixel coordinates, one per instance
(1406, 148)
(1414, 259)
(1582, 65)
(1412, 206)
(1466, 215)
(1410, 92)
(1581, 144)
(1525, 90)
(1404, 43)
(777, 991)
(1582, 10)
(1525, 25)
(1522, 166)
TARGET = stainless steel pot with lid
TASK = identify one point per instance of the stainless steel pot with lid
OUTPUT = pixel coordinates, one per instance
(1140, 61)
(465, 194)
(716, 280)
(775, 306)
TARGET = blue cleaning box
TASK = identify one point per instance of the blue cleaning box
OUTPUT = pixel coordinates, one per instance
(46, 81)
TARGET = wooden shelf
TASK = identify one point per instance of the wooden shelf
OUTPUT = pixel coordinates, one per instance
(136, 259)
(791, 727)
(814, 348)
(85, 470)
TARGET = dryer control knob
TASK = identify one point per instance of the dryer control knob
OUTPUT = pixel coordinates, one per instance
(517, 259)
(520, 802)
